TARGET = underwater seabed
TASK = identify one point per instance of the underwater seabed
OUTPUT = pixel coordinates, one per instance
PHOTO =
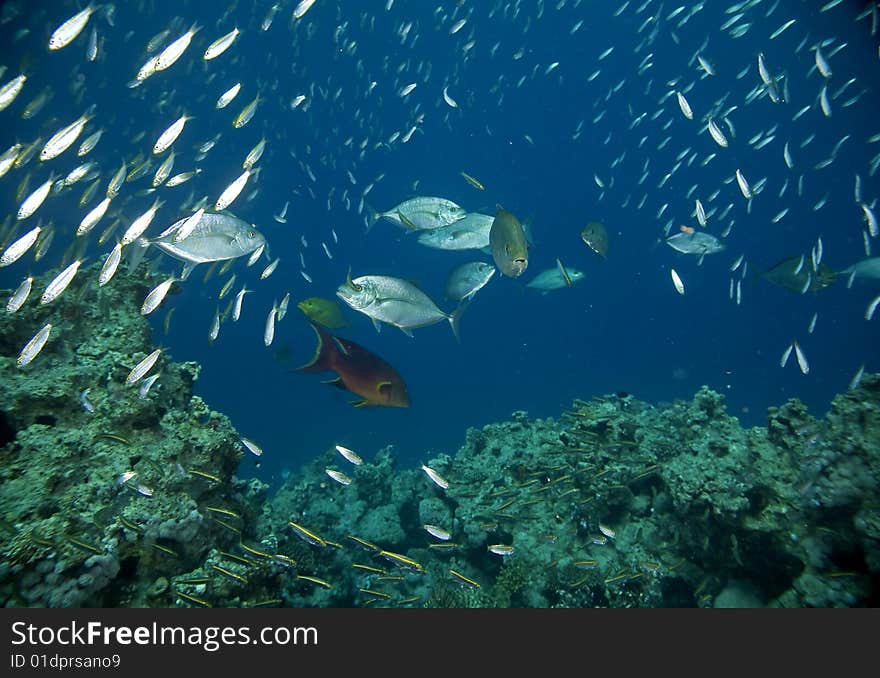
(616, 503)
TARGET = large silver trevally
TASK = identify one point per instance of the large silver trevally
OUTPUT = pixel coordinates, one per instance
(217, 236)
(695, 243)
(421, 213)
(466, 280)
(394, 301)
(469, 233)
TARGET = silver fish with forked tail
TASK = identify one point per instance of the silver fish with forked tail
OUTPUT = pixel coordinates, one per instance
(216, 237)
(421, 213)
(394, 301)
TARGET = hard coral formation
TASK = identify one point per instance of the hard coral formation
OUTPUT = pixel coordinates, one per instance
(77, 532)
(615, 503)
(618, 503)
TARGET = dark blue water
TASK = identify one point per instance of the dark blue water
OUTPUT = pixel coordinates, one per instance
(623, 328)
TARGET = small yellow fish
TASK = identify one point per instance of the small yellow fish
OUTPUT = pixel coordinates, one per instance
(473, 182)
(325, 312)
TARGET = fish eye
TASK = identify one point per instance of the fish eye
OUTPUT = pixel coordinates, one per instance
(252, 233)
(519, 261)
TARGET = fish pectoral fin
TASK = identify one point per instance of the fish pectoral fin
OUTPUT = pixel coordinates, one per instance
(360, 403)
(406, 222)
(377, 325)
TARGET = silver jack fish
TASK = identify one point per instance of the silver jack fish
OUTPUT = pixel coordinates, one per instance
(695, 243)
(421, 214)
(216, 237)
(396, 302)
(466, 280)
(470, 233)
(555, 279)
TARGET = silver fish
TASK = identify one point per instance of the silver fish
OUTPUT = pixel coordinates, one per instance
(220, 45)
(59, 283)
(17, 249)
(236, 306)
(252, 447)
(695, 243)
(676, 281)
(857, 378)
(269, 331)
(553, 279)
(216, 237)
(801, 358)
(684, 106)
(468, 233)
(144, 366)
(157, 296)
(866, 268)
(394, 301)
(435, 477)
(111, 264)
(64, 138)
(32, 203)
(146, 385)
(422, 213)
(349, 455)
(437, 532)
(338, 476)
(16, 301)
(34, 346)
(67, 32)
(467, 279)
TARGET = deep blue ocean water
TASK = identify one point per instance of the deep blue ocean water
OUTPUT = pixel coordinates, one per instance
(623, 328)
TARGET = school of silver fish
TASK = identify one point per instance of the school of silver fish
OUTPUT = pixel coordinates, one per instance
(691, 98)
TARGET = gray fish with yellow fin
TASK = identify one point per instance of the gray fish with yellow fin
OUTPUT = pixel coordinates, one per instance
(510, 249)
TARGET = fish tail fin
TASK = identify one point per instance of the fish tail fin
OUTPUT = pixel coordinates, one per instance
(455, 317)
(325, 353)
(137, 252)
(372, 216)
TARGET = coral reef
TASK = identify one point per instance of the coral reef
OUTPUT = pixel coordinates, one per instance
(106, 489)
(114, 497)
(616, 504)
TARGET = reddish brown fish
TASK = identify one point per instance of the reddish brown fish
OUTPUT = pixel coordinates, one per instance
(359, 370)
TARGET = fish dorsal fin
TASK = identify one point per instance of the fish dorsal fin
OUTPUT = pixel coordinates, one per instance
(342, 348)
(321, 361)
